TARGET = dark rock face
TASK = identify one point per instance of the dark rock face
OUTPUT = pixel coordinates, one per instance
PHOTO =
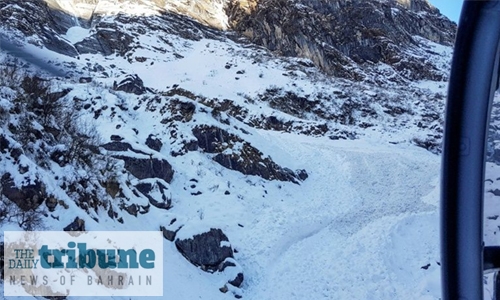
(146, 188)
(148, 168)
(142, 168)
(131, 84)
(247, 159)
(337, 34)
(4, 144)
(205, 250)
(154, 143)
(117, 146)
(47, 23)
(77, 225)
(238, 280)
(27, 197)
(107, 41)
(51, 203)
(168, 234)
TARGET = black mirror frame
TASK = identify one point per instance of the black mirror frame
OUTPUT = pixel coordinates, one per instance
(473, 82)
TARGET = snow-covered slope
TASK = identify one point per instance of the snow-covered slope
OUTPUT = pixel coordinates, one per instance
(326, 188)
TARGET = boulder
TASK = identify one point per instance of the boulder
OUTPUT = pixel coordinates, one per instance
(51, 203)
(106, 41)
(154, 143)
(27, 197)
(157, 194)
(77, 225)
(141, 168)
(206, 250)
(131, 84)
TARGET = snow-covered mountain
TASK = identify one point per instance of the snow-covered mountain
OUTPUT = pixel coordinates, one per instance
(294, 142)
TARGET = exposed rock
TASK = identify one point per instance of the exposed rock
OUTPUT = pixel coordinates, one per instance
(143, 168)
(118, 146)
(154, 143)
(157, 194)
(107, 40)
(85, 79)
(47, 24)
(77, 225)
(170, 231)
(181, 110)
(116, 138)
(336, 34)
(243, 158)
(4, 144)
(51, 203)
(206, 250)
(302, 174)
(168, 234)
(112, 188)
(238, 280)
(131, 84)
(131, 209)
(2, 259)
(27, 197)
(211, 139)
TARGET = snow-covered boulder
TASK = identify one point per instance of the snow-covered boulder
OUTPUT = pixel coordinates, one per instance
(130, 84)
(140, 164)
(207, 250)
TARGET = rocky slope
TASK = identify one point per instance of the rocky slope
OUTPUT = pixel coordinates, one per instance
(241, 129)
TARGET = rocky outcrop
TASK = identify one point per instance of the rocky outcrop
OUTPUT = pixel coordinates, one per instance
(154, 143)
(27, 197)
(106, 41)
(77, 225)
(234, 153)
(47, 24)
(130, 84)
(338, 35)
(157, 194)
(143, 167)
(207, 250)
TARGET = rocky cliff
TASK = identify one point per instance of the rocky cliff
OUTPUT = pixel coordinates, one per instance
(348, 39)
(341, 36)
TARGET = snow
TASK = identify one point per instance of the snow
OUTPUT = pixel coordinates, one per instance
(361, 226)
(76, 34)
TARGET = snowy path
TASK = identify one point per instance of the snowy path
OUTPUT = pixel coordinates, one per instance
(358, 227)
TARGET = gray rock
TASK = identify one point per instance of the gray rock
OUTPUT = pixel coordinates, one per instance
(117, 146)
(106, 41)
(168, 234)
(205, 250)
(164, 203)
(4, 144)
(143, 168)
(77, 225)
(248, 160)
(131, 84)
(154, 143)
(51, 203)
(27, 197)
(238, 280)
(345, 33)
